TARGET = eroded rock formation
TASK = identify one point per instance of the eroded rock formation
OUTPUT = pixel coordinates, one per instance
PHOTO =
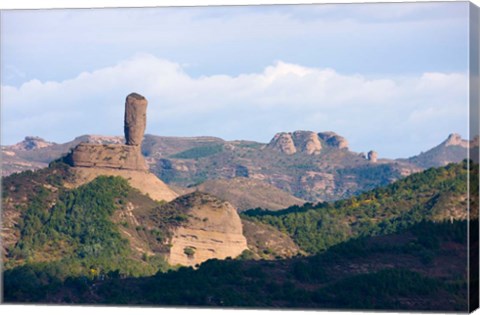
(135, 119)
(213, 230)
(117, 156)
(307, 142)
(455, 139)
(372, 156)
(283, 142)
(334, 140)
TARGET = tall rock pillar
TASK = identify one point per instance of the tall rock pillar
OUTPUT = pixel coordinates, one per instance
(135, 119)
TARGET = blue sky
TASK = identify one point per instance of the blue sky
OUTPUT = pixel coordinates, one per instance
(388, 77)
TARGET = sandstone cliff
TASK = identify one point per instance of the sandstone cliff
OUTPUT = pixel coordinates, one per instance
(116, 156)
(213, 230)
(283, 142)
(334, 140)
(372, 156)
(307, 142)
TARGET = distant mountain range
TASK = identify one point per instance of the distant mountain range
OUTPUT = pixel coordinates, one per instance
(290, 169)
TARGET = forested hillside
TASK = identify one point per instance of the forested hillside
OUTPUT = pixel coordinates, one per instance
(420, 268)
(436, 194)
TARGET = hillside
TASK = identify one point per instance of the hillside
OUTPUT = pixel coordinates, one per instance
(420, 268)
(401, 246)
(307, 165)
(437, 194)
(246, 193)
(65, 216)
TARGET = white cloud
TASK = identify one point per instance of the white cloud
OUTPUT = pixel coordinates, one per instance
(374, 113)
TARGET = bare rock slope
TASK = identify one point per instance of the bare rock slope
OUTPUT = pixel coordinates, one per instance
(213, 230)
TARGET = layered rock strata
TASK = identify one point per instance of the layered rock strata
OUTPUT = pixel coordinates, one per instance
(135, 119)
(117, 156)
(213, 230)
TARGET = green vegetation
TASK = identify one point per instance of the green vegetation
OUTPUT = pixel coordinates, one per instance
(380, 211)
(390, 248)
(79, 217)
(199, 152)
(379, 290)
(189, 251)
(74, 232)
(334, 279)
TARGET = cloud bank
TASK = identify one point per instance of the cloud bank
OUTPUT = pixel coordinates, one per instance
(397, 116)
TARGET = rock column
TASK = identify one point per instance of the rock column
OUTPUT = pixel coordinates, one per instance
(135, 119)
(372, 156)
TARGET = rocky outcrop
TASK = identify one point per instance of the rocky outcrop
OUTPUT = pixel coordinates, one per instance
(455, 139)
(307, 142)
(283, 142)
(97, 139)
(213, 230)
(32, 143)
(333, 140)
(135, 119)
(115, 156)
(372, 156)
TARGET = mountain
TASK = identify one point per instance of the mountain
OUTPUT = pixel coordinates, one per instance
(437, 194)
(453, 150)
(306, 165)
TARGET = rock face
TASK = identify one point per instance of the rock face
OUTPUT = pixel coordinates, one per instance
(117, 156)
(135, 119)
(455, 139)
(213, 230)
(333, 140)
(307, 141)
(283, 142)
(372, 156)
(32, 143)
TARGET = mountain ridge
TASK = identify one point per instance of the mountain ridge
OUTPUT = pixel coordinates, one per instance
(322, 168)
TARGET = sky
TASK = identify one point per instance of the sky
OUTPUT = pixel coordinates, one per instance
(388, 77)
